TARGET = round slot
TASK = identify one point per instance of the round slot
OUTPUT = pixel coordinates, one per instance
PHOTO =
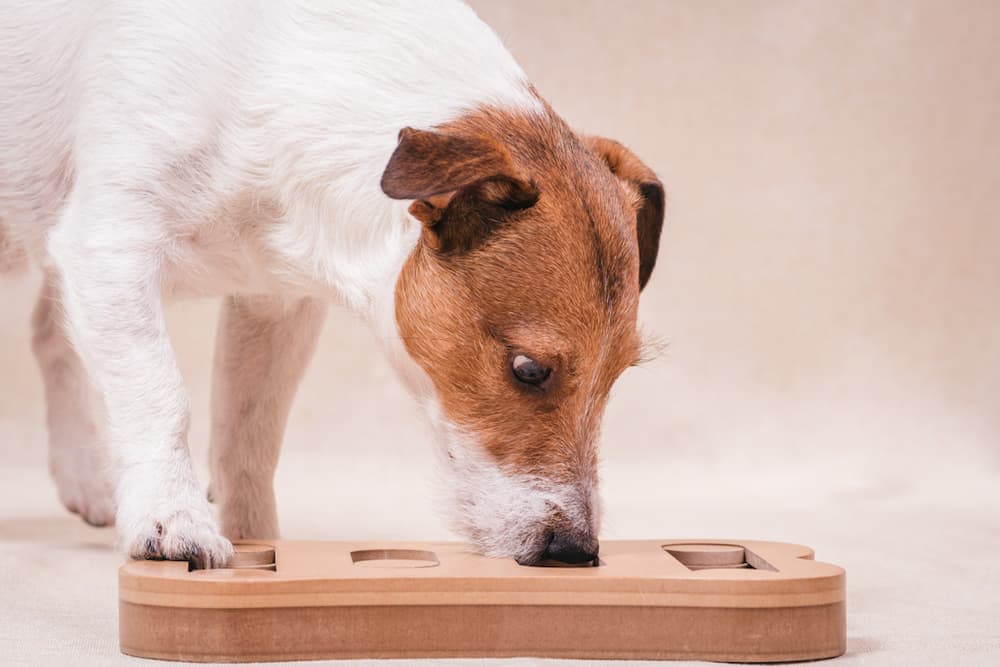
(700, 556)
(394, 558)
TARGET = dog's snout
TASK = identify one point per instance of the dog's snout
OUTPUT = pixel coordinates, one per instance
(571, 549)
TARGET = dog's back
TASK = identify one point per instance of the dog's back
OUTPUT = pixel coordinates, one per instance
(38, 44)
(192, 99)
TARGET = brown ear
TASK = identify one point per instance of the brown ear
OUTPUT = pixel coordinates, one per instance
(624, 164)
(462, 185)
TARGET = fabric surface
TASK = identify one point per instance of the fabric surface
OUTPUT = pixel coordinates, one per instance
(921, 560)
(826, 295)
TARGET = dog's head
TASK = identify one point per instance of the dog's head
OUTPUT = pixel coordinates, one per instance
(519, 303)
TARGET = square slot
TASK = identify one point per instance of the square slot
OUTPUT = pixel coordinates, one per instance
(559, 564)
(394, 558)
(247, 558)
(697, 557)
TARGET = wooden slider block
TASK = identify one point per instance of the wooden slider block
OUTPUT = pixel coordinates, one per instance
(734, 600)
(708, 555)
(253, 557)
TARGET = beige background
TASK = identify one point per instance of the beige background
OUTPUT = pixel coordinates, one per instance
(826, 291)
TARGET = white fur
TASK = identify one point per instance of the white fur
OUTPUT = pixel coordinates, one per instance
(220, 148)
(505, 512)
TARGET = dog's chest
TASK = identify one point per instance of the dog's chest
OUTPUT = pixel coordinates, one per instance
(224, 255)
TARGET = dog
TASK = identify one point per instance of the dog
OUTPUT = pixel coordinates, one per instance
(387, 156)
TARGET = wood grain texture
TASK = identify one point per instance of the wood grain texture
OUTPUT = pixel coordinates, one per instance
(642, 602)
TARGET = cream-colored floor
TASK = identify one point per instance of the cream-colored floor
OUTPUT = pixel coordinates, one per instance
(827, 290)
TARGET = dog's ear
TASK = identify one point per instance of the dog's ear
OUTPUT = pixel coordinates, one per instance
(463, 186)
(624, 164)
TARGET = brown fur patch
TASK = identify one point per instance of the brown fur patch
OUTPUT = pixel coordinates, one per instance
(649, 205)
(554, 276)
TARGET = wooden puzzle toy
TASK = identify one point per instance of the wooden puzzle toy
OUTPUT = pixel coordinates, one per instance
(732, 600)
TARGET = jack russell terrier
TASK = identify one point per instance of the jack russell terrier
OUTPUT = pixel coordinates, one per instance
(389, 156)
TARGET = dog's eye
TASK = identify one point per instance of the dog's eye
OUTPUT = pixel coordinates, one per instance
(529, 371)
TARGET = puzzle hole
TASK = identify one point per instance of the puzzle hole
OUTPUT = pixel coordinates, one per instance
(237, 573)
(253, 557)
(557, 563)
(393, 558)
(248, 558)
(717, 557)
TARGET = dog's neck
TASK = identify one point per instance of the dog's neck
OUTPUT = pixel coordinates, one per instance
(338, 234)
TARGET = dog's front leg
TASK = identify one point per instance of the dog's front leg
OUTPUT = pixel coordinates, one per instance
(108, 249)
(262, 348)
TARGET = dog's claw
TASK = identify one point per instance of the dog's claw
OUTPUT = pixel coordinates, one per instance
(184, 536)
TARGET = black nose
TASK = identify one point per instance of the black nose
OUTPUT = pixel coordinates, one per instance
(568, 549)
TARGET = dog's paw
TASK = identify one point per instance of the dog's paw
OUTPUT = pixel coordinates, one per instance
(95, 506)
(86, 490)
(184, 533)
